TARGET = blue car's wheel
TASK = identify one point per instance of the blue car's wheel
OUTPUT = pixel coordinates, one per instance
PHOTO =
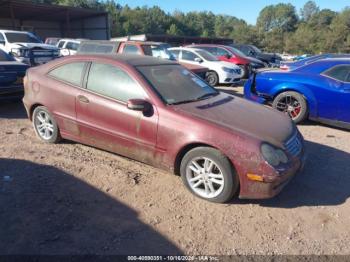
(293, 104)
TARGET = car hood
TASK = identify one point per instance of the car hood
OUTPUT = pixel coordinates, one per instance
(254, 60)
(34, 45)
(243, 116)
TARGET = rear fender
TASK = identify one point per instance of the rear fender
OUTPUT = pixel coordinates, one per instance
(300, 88)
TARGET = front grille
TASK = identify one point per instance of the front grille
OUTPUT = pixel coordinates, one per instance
(294, 145)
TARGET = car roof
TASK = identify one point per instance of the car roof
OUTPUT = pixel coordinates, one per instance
(14, 31)
(143, 42)
(186, 48)
(130, 59)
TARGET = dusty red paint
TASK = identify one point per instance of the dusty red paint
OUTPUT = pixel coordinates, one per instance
(234, 126)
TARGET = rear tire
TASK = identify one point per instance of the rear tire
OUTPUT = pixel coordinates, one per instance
(45, 125)
(212, 78)
(208, 174)
(293, 104)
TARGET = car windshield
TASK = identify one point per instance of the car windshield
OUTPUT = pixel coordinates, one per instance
(206, 55)
(176, 85)
(5, 57)
(236, 51)
(21, 38)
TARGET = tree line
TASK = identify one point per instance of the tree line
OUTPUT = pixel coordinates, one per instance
(279, 28)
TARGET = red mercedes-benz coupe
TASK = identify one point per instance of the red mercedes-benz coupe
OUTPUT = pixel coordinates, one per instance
(158, 112)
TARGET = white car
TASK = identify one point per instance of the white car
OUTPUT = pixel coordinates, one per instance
(26, 47)
(68, 46)
(220, 72)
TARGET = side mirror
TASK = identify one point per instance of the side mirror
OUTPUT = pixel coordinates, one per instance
(228, 56)
(2, 42)
(139, 105)
(198, 60)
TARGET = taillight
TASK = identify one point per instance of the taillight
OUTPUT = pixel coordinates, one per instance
(284, 67)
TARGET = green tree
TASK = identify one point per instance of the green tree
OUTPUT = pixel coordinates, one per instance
(310, 9)
(281, 16)
(174, 30)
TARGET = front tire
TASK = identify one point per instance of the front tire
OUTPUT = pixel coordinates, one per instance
(45, 125)
(212, 78)
(208, 174)
(293, 104)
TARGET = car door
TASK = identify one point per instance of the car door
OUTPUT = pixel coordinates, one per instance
(62, 84)
(104, 119)
(335, 103)
(224, 55)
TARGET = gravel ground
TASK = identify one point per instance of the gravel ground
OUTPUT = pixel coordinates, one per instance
(74, 199)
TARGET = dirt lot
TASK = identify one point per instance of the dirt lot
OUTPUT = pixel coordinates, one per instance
(74, 199)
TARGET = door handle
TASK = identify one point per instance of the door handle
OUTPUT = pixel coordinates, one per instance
(83, 99)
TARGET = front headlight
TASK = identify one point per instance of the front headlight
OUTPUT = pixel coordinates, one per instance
(273, 156)
(227, 70)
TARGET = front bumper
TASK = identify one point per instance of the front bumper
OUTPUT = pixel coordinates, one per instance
(273, 184)
(229, 78)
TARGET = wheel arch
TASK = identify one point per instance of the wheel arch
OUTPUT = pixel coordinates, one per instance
(302, 90)
(185, 149)
(32, 108)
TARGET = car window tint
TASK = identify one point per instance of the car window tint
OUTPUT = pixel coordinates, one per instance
(2, 38)
(189, 56)
(176, 53)
(222, 52)
(113, 82)
(61, 44)
(70, 73)
(147, 50)
(131, 49)
(72, 46)
(340, 73)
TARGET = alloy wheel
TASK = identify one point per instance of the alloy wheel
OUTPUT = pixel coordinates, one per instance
(205, 177)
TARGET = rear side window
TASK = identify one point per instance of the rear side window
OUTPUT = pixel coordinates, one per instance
(113, 82)
(340, 73)
(71, 73)
(61, 44)
(72, 46)
(131, 49)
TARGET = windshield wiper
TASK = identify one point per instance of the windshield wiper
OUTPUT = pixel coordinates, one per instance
(206, 95)
(195, 99)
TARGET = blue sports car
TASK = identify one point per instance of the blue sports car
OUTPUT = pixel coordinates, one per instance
(319, 91)
(310, 59)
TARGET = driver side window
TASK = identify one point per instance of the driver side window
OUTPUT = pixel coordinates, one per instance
(189, 56)
(340, 73)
